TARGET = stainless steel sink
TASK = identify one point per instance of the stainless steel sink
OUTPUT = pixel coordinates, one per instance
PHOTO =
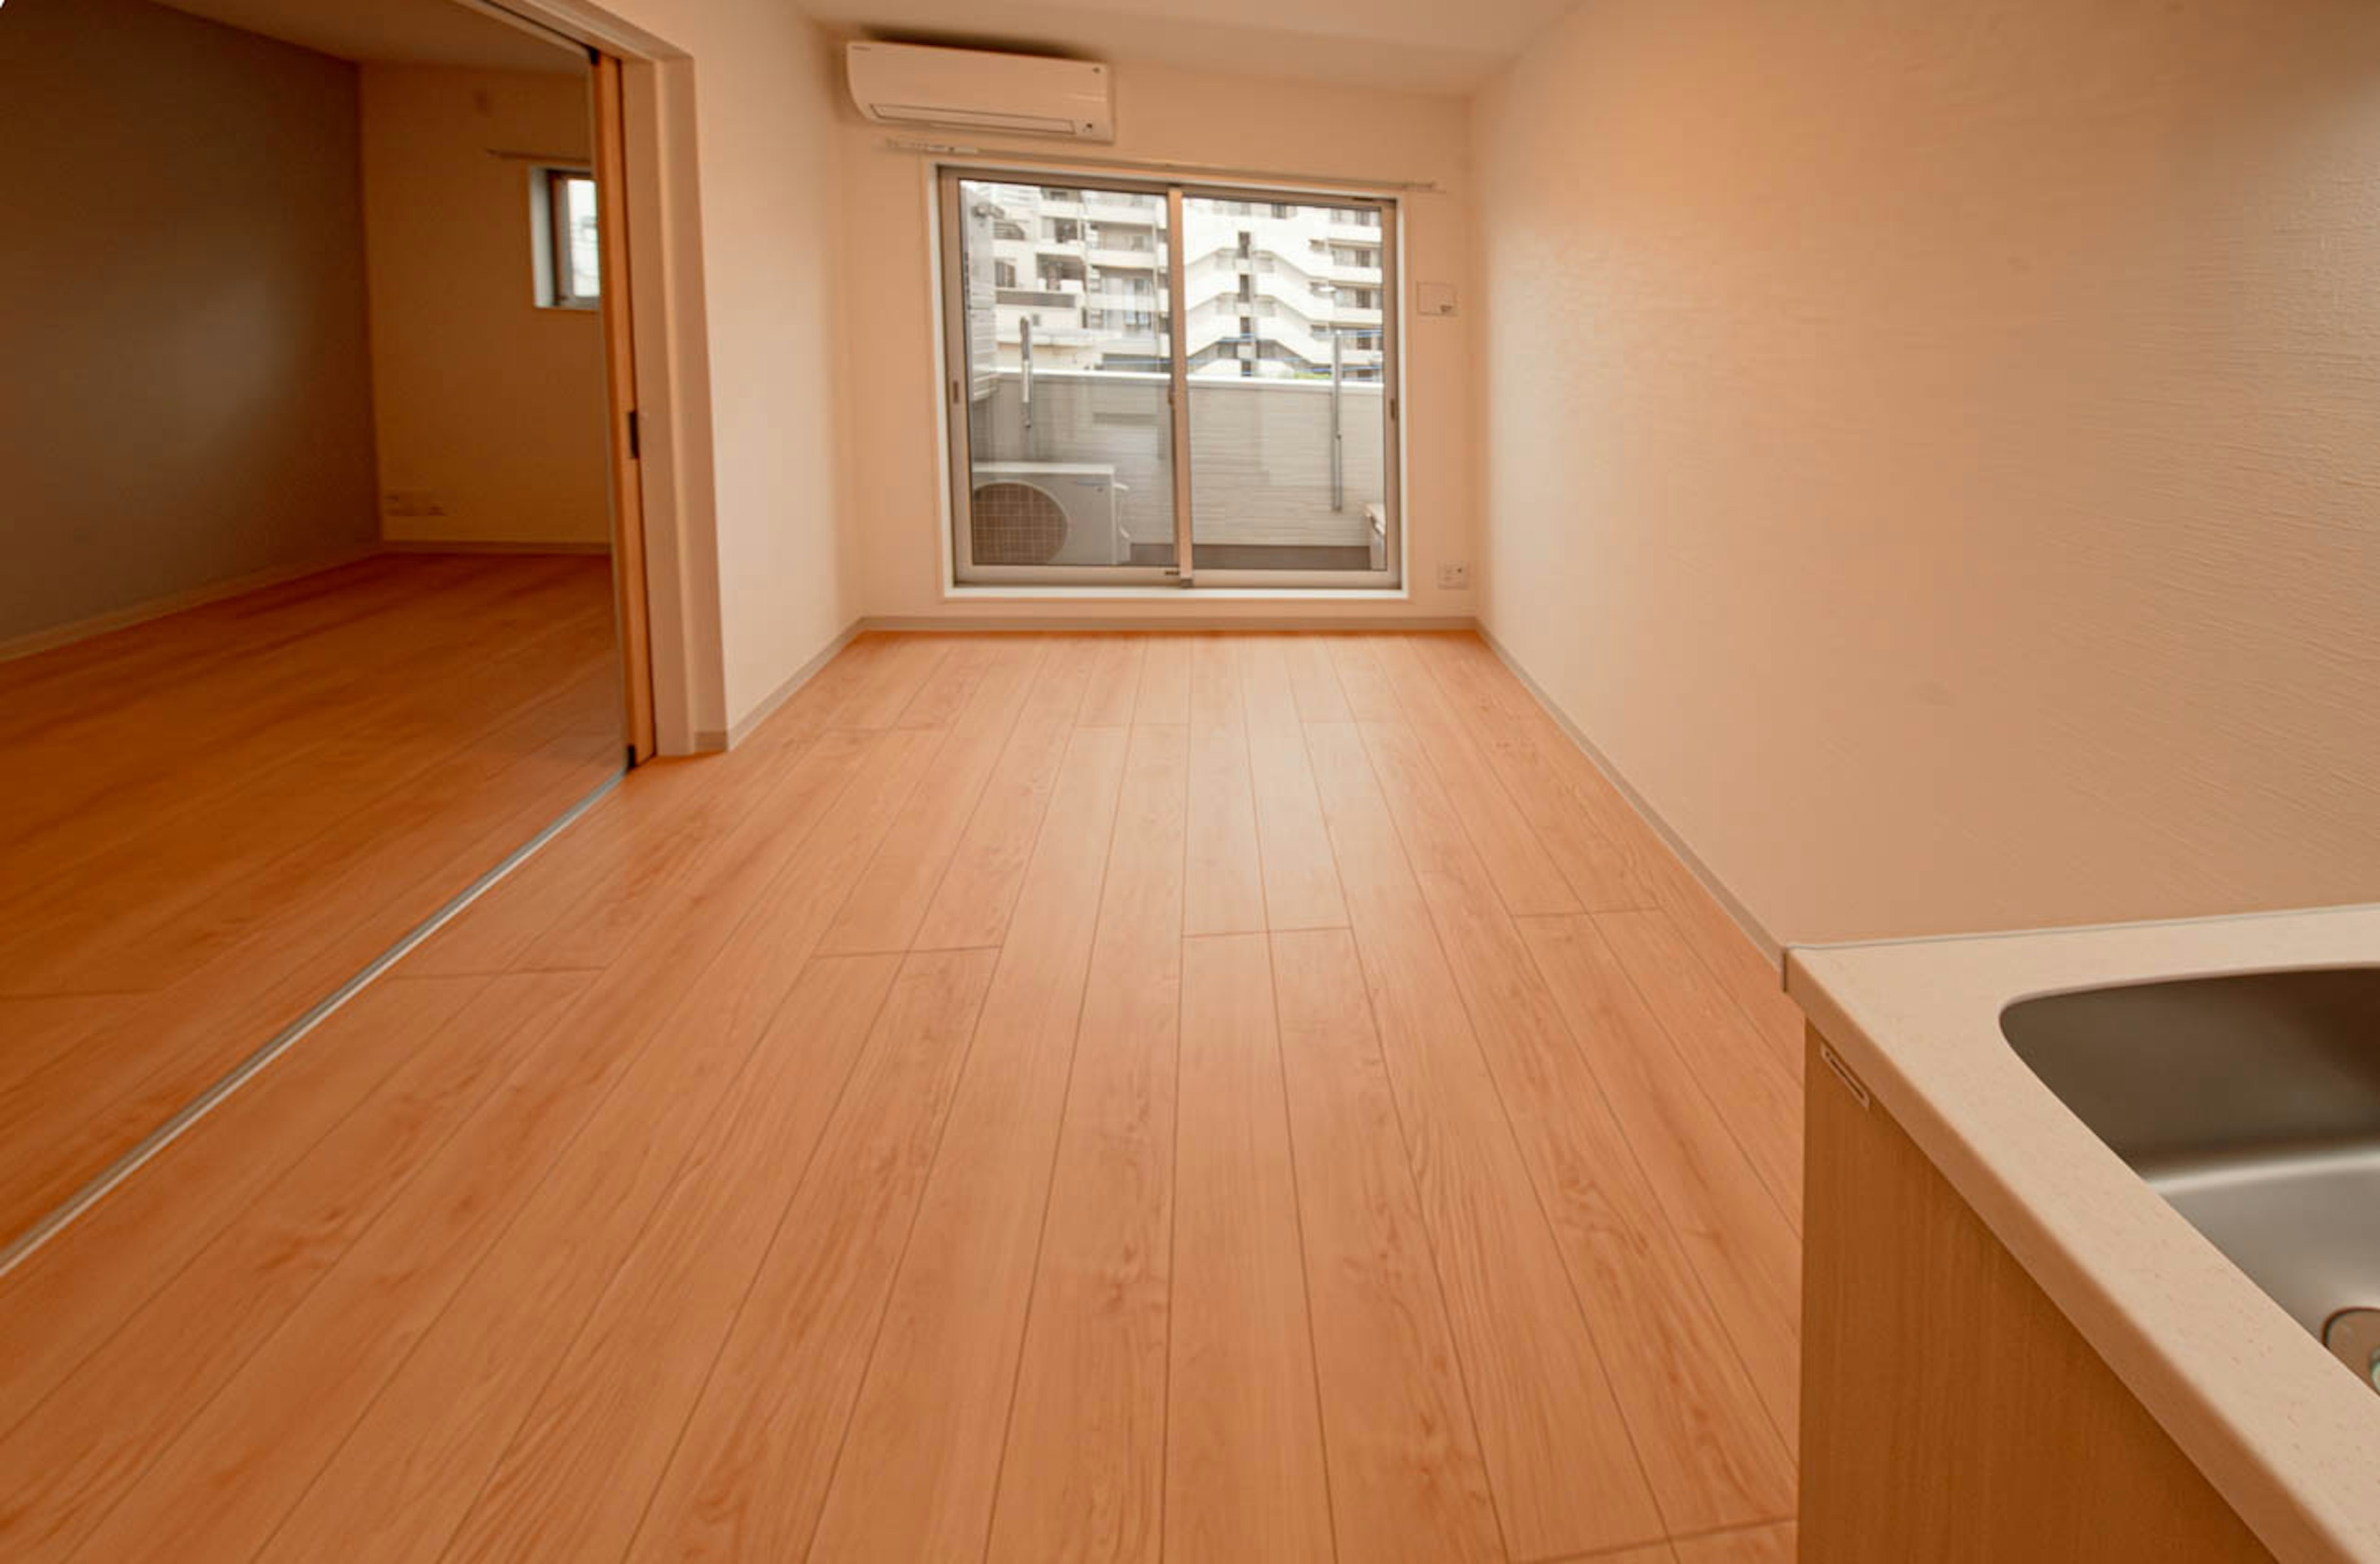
(2253, 1105)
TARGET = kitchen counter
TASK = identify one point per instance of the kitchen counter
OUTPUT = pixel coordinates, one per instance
(2284, 1433)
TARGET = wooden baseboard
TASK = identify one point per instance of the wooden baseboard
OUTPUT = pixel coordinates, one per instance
(712, 740)
(1754, 929)
(487, 546)
(174, 603)
(1259, 624)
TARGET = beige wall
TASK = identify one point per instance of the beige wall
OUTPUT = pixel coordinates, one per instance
(489, 407)
(184, 397)
(897, 475)
(770, 185)
(1932, 450)
(748, 153)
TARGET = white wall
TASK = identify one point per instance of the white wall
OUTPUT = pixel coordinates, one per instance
(750, 154)
(487, 406)
(897, 473)
(1932, 450)
(184, 397)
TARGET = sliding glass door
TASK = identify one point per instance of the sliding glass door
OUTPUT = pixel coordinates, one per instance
(1288, 371)
(1164, 383)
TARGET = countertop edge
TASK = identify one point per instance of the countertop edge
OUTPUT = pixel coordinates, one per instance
(2295, 1515)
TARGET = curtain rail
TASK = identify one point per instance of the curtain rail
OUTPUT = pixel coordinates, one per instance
(1058, 163)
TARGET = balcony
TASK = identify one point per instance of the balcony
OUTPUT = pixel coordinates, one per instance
(1261, 449)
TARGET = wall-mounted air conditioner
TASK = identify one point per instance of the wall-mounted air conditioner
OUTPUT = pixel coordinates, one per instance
(970, 89)
(1047, 512)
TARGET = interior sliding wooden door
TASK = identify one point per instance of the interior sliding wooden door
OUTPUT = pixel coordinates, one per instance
(628, 575)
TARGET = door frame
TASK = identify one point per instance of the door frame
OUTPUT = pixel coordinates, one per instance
(944, 176)
(615, 300)
(657, 372)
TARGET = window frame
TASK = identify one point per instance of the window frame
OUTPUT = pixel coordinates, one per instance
(946, 178)
(557, 272)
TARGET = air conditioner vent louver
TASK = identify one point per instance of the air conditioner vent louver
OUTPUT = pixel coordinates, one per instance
(1024, 124)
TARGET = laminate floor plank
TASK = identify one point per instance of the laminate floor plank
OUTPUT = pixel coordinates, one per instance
(76, 1462)
(1371, 696)
(1736, 1234)
(63, 1124)
(578, 907)
(946, 691)
(1765, 1544)
(574, 1480)
(1759, 1100)
(751, 1464)
(1313, 680)
(1603, 874)
(255, 1445)
(1566, 1476)
(153, 905)
(978, 889)
(222, 814)
(1401, 1444)
(1085, 1474)
(1246, 1481)
(1524, 869)
(1709, 1451)
(896, 675)
(1301, 883)
(121, 754)
(884, 910)
(921, 1457)
(1164, 695)
(1750, 975)
(1114, 686)
(907, 1136)
(1224, 878)
(433, 1432)
(76, 1292)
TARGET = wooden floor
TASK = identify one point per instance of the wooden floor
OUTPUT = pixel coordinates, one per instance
(1195, 1098)
(211, 821)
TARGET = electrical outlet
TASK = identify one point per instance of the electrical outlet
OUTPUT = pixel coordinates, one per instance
(1454, 578)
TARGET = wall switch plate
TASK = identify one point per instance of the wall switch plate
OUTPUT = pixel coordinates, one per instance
(1454, 578)
(1434, 298)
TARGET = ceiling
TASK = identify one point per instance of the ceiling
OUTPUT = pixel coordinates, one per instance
(1420, 46)
(401, 32)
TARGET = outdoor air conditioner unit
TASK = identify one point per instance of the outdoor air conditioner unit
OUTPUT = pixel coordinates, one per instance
(1026, 94)
(1047, 512)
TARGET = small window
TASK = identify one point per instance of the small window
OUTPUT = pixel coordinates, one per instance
(569, 249)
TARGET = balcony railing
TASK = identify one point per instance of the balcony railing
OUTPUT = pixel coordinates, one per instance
(1320, 483)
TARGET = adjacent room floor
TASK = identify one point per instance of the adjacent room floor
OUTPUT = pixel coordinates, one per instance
(1170, 1096)
(213, 818)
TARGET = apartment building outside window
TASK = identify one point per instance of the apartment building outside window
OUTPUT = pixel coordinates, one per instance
(1092, 442)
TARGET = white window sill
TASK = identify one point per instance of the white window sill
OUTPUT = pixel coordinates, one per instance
(1175, 594)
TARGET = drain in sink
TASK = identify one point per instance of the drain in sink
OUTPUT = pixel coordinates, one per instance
(2353, 1335)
